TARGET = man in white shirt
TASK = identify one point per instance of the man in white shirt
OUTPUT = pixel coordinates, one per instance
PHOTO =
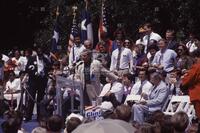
(142, 85)
(115, 88)
(150, 35)
(191, 45)
(121, 59)
(19, 61)
(74, 55)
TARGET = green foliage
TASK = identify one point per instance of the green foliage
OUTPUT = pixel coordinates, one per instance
(181, 15)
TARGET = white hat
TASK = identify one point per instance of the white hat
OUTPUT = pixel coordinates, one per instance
(106, 106)
(139, 42)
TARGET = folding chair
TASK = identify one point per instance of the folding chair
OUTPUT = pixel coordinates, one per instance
(180, 103)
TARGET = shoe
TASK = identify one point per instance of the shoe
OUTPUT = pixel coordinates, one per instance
(26, 119)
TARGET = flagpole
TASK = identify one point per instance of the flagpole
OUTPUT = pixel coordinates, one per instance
(74, 12)
(57, 12)
(73, 78)
(58, 89)
(86, 5)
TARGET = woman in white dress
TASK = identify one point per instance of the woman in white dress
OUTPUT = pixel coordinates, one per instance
(12, 89)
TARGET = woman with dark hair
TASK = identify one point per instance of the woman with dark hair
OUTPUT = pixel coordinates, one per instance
(128, 43)
(11, 125)
(184, 61)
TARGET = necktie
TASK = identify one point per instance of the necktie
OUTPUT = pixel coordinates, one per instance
(148, 40)
(152, 93)
(111, 84)
(118, 59)
(161, 58)
(73, 54)
(172, 89)
(140, 88)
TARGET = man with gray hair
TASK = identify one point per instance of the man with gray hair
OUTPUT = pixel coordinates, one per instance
(154, 101)
(74, 55)
(88, 44)
(88, 71)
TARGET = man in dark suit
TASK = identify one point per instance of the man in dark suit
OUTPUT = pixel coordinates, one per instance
(37, 68)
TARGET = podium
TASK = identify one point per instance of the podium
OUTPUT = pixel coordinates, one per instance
(62, 82)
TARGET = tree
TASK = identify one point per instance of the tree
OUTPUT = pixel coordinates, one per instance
(180, 15)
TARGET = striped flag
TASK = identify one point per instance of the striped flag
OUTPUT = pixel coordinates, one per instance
(103, 30)
(86, 26)
(55, 38)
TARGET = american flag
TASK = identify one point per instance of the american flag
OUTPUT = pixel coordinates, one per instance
(103, 25)
(74, 29)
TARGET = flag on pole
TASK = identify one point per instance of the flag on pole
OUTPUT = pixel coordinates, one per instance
(86, 26)
(103, 30)
(55, 38)
(74, 29)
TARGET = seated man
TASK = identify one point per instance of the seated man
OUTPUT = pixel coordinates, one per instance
(142, 85)
(154, 101)
(113, 89)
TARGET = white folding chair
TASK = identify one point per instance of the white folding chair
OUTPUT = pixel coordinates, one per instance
(180, 103)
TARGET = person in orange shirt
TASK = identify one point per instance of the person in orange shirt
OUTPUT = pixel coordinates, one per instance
(191, 81)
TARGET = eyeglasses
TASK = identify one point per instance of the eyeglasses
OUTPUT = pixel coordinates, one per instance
(127, 42)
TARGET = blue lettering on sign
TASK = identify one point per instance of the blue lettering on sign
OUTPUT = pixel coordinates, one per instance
(93, 114)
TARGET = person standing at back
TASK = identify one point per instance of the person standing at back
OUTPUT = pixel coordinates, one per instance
(121, 59)
(37, 68)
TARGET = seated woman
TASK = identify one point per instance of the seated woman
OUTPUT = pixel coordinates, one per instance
(12, 90)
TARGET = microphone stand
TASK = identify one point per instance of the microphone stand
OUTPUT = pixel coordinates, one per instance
(26, 92)
(81, 96)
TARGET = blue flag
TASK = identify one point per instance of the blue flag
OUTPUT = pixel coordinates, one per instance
(55, 38)
(86, 26)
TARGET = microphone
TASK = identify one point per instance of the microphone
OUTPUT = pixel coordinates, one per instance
(32, 67)
(25, 78)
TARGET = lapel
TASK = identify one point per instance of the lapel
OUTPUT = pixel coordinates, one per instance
(155, 91)
(81, 71)
(34, 62)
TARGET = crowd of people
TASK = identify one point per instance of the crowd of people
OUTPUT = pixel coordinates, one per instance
(153, 67)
